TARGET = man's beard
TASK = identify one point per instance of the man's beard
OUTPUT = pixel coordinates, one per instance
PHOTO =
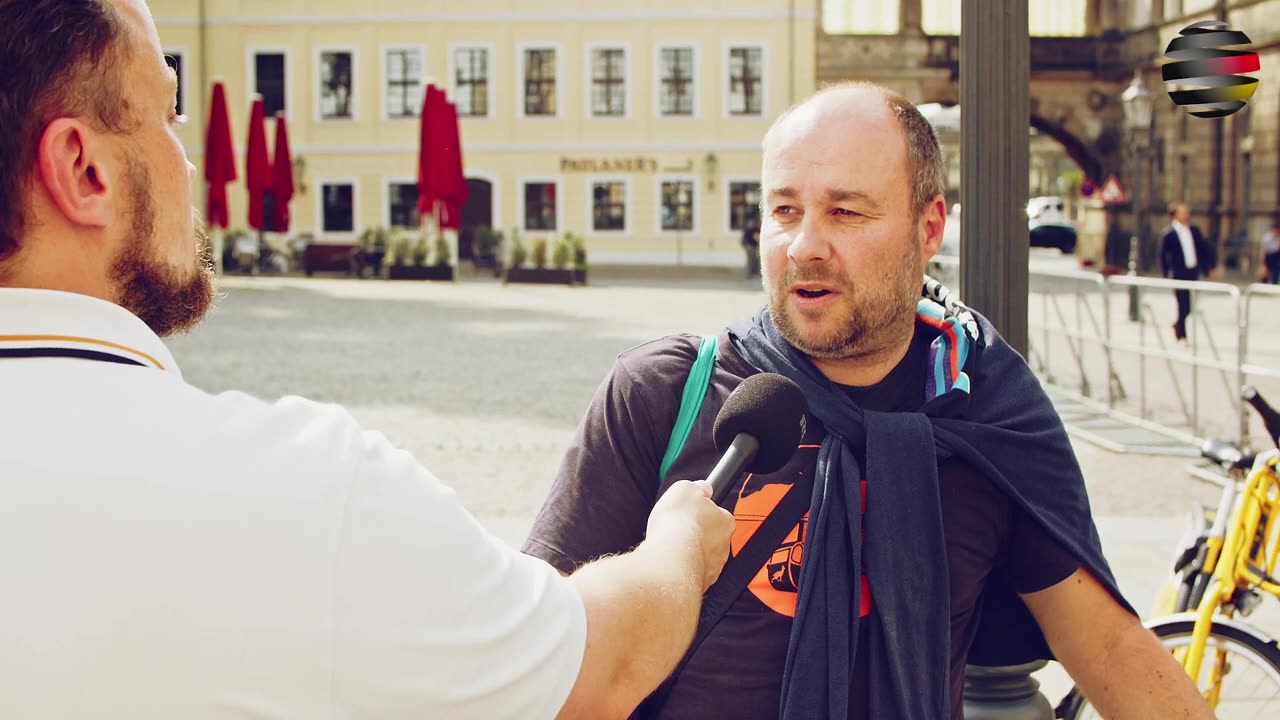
(163, 297)
(869, 317)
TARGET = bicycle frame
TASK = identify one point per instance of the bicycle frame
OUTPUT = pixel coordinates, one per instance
(1243, 559)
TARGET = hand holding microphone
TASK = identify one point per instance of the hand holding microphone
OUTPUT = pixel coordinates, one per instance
(758, 429)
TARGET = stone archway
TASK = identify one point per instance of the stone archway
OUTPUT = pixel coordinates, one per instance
(1082, 153)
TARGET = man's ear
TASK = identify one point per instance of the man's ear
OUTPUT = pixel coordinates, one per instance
(933, 221)
(71, 165)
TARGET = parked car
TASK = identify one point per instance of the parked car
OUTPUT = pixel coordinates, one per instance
(1048, 226)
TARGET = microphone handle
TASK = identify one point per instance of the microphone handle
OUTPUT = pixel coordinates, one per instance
(732, 464)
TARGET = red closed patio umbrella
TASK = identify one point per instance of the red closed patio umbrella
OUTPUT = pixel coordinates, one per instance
(281, 177)
(429, 156)
(257, 166)
(453, 182)
(219, 159)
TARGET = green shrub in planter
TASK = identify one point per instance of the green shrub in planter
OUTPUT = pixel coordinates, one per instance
(399, 248)
(518, 252)
(420, 251)
(561, 252)
(540, 253)
(487, 241)
(442, 252)
(579, 252)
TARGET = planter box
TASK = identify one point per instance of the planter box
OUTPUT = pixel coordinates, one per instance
(580, 277)
(418, 272)
(546, 276)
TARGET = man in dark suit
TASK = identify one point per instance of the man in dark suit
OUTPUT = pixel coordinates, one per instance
(1185, 254)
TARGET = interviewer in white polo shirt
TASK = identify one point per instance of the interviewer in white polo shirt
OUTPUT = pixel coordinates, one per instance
(167, 553)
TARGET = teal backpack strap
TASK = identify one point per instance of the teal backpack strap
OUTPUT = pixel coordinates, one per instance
(695, 389)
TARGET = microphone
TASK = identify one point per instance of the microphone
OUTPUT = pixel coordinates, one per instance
(758, 429)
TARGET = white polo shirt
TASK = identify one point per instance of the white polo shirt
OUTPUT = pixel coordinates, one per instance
(167, 553)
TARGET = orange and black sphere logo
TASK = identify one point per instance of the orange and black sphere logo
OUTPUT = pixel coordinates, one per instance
(1204, 78)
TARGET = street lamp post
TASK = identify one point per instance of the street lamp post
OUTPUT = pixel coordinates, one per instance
(1137, 123)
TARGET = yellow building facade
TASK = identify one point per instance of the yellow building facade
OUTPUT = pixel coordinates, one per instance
(637, 127)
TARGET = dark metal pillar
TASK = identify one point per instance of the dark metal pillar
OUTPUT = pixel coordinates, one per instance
(995, 69)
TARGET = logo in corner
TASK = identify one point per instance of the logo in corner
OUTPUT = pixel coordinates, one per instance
(1203, 77)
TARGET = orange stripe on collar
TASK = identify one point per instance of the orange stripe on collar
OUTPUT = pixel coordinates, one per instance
(83, 341)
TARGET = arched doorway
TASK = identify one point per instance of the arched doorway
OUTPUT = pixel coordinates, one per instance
(476, 213)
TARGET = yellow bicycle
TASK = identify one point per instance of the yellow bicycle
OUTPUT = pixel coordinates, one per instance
(1224, 572)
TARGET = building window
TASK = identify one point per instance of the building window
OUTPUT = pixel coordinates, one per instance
(471, 81)
(539, 206)
(608, 206)
(744, 204)
(402, 200)
(335, 85)
(174, 60)
(338, 207)
(608, 82)
(676, 73)
(404, 82)
(540, 82)
(269, 81)
(745, 81)
(677, 205)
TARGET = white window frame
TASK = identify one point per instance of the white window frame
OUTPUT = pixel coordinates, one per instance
(726, 207)
(764, 79)
(556, 180)
(589, 86)
(452, 65)
(251, 71)
(697, 80)
(384, 78)
(387, 182)
(320, 50)
(319, 184)
(560, 97)
(627, 205)
(657, 204)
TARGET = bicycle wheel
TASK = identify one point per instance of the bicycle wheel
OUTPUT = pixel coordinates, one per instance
(1250, 687)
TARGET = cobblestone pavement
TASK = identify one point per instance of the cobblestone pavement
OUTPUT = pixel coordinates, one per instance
(485, 383)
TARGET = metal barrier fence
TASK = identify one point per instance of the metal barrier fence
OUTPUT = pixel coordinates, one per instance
(1107, 344)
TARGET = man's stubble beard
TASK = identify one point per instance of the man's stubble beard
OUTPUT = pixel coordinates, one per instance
(163, 297)
(875, 319)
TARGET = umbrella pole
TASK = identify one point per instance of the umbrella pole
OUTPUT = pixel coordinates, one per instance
(217, 242)
(451, 239)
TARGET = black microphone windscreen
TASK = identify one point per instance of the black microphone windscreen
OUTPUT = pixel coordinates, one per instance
(771, 408)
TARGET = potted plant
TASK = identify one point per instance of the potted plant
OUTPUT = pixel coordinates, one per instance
(370, 253)
(420, 251)
(539, 253)
(558, 273)
(561, 251)
(488, 244)
(442, 258)
(410, 252)
(579, 259)
(518, 252)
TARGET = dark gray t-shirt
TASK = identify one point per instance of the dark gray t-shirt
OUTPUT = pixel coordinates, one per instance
(600, 502)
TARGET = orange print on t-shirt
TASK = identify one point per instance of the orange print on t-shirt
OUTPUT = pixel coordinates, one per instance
(777, 583)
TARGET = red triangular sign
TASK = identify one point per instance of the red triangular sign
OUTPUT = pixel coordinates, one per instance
(1111, 192)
